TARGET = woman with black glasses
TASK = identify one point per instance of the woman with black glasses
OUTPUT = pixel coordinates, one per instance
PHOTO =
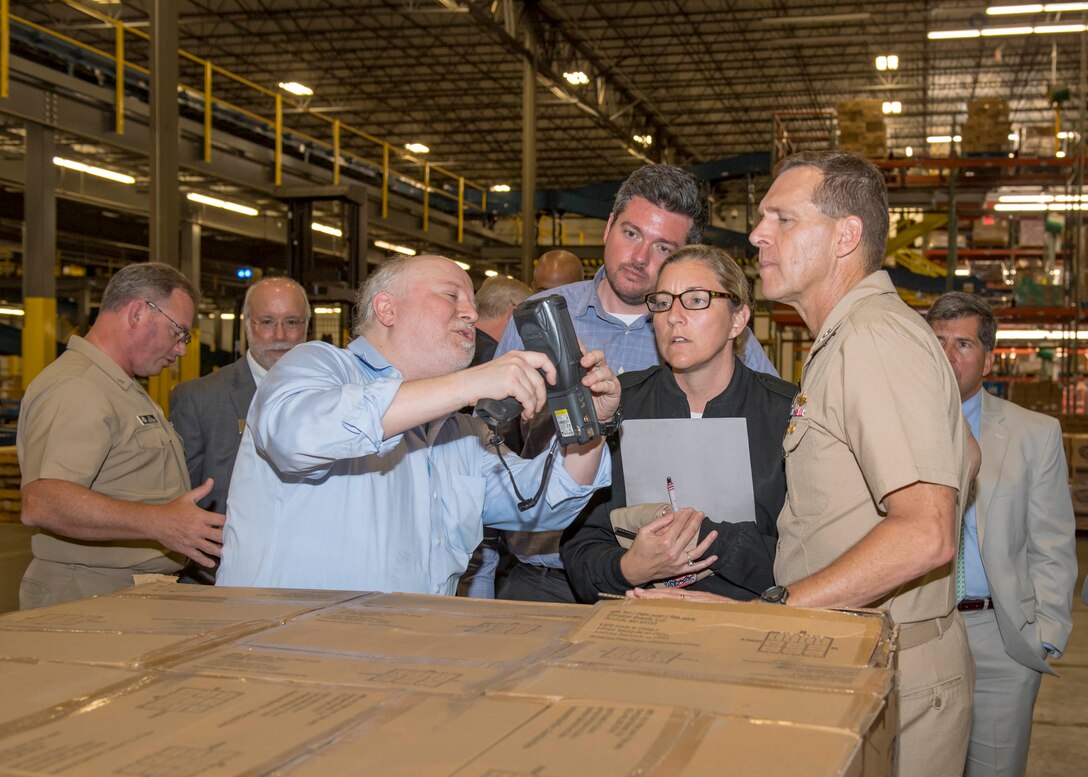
(701, 303)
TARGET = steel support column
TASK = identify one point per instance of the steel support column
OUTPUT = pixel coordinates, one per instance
(165, 204)
(39, 253)
(528, 149)
(190, 267)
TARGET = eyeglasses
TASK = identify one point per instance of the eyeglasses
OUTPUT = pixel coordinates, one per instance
(288, 324)
(692, 299)
(180, 332)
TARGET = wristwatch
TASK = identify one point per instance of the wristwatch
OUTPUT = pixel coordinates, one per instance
(776, 594)
(611, 426)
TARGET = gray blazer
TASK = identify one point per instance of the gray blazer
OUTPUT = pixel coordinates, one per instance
(1026, 529)
(209, 414)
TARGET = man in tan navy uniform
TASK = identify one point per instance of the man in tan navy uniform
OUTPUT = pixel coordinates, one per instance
(878, 454)
(103, 473)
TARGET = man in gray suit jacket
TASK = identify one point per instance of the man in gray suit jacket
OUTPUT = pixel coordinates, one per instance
(210, 413)
(1019, 549)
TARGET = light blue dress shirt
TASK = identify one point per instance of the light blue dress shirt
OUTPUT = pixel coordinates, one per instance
(974, 575)
(320, 500)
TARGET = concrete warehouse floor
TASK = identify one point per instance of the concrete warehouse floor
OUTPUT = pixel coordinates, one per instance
(1059, 742)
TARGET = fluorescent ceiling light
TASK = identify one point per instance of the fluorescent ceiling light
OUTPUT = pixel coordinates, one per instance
(326, 311)
(501, 187)
(1048, 29)
(11, 312)
(1001, 10)
(463, 265)
(296, 88)
(909, 151)
(949, 34)
(892, 107)
(887, 62)
(1025, 198)
(1038, 334)
(1014, 137)
(395, 248)
(1067, 135)
(1059, 154)
(1006, 207)
(215, 202)
(576, 78)
(417, 148)
(326, 229)
(992, 32)
(60, 161)
(962, 272)
(943, 139)
(643, 140)
(491, 273)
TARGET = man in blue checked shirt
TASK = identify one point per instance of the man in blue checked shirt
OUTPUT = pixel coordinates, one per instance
(658, 209)
(356, 471)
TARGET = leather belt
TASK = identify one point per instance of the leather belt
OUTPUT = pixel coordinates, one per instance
(969, 605)
(543, 570)
(915, 634)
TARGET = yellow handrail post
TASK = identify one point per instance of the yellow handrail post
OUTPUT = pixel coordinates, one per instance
(207, 111)
(426, 194)
(119, 90)
(5, 48)
(483, 200)
(335, 152)
(279, 140)
(385, 180)
(460, 209)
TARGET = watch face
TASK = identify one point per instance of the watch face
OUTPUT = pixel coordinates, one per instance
(776, 594)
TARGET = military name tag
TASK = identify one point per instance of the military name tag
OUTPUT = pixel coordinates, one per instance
(147, 419)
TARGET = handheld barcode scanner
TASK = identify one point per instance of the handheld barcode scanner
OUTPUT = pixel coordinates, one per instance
(545, 326)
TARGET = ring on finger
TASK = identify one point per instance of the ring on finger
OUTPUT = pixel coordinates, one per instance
(690, 562)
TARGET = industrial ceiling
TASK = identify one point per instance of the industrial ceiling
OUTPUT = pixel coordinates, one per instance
(702, 79)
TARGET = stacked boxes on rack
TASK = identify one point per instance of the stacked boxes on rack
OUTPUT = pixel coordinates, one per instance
(1076, 453)
(1037, 140)
(987, 128)
(861, 128)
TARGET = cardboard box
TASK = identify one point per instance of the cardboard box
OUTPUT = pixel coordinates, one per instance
(306, 684)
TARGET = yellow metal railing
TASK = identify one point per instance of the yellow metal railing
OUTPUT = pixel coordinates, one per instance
(394, 165)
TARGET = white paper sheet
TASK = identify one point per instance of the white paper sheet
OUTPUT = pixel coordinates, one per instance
(707, 459)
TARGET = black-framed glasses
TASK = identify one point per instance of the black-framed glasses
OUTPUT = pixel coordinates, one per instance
(181, 333)
(692, 299)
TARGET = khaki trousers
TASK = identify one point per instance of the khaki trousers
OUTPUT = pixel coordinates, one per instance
(936, 684)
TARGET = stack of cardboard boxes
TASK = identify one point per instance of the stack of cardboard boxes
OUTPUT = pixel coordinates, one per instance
(218, 682)
(862, 129)
(987, 128)
(1076, 453)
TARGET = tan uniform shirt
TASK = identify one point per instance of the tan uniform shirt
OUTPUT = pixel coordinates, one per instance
(85, 421)
(879, 410)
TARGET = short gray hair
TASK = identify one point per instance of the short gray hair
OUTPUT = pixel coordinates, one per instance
(290, 282)
(498, 295)
(670, 188)
(386, 278)
(851, 186)
(957, 304)
(152, 281)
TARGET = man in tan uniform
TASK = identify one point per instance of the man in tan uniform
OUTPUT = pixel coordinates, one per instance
(103, 473)
(877, 453)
